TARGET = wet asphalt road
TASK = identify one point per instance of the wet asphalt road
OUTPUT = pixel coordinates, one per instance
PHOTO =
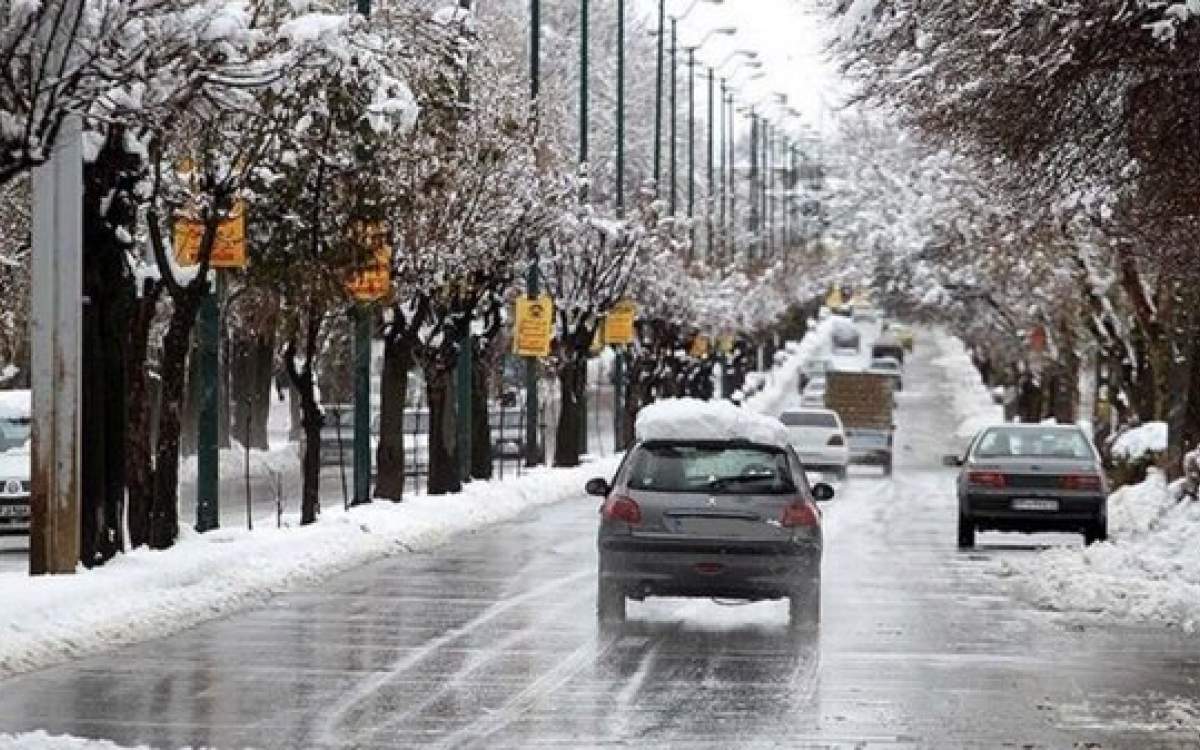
(491, 642)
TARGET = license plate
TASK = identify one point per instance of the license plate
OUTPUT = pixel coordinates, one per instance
(13, 511)
(1034, 504)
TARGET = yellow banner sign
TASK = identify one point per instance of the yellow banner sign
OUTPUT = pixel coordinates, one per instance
(373, 282)
(534, 327)
(725, 344)
(618, 326)
(229, 246)
(699, 348)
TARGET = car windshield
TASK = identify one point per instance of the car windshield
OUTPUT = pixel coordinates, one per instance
(808, 419)
(1059, 442)
(727, 468)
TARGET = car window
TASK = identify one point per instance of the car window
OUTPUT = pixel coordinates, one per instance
(1027, 443)
(733, 469)
(14, 432)
(808, 419)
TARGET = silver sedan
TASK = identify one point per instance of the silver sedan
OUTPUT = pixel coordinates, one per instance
(1031, 478)
(729, 519)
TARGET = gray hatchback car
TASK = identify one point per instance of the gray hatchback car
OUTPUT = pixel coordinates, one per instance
(1031, 477)
(727, 518)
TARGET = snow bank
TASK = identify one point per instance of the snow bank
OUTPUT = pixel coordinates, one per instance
(1149, 570)
(1148, 438)
(693, 419)
(147, 594)
(42, 741)
(973, 404)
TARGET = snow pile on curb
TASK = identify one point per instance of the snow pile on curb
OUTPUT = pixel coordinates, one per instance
(784, 381)
(1149, 570)
(147, 594)
(693, 419)
(1148, 438)
(973, 404)
(42, 741)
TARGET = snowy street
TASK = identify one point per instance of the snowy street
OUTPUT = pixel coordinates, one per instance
(491, 641)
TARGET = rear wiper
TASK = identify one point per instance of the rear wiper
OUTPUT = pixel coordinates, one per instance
(718, 481)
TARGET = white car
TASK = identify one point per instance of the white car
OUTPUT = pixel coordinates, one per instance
(818, 438)
(814, 392)
(14, 462)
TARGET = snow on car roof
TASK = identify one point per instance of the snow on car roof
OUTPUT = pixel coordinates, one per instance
(15, 404)
(693, 419)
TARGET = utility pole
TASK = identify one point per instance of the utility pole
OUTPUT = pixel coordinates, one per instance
(754, 191)
(533, 452)
(466, 352)
(55, 328)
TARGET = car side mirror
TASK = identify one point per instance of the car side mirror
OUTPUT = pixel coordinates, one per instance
(822, 492)
(598, 487)
(952, 461)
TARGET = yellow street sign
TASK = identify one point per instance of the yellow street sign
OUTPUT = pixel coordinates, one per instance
(618, 326)
(374, 282)
(834, 298)
(229, 246)
(699, 348)
(534, 326)
(725, 344)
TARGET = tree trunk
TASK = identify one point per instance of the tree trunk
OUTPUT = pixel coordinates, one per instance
(481, 428)
(443, 454)
(304, 383)
(398, 360)
(572, 379)
(139, 476)
(164, 512)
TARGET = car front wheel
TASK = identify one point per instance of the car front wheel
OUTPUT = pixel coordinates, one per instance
(966, 533)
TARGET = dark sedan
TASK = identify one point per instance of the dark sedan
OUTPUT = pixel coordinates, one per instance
(729, 519)
(1031, 478)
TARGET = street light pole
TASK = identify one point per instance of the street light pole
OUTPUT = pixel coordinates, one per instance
(658, 87)
(620, 108)
(708, 197)
(674, 112)
(691, 188)
(724, 170)
(533, 453)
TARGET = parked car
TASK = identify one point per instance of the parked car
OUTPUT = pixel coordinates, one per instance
(15, 462)
(818, 439)
(891, 367)
(814, 392)
(1031, 478)
(710, 518)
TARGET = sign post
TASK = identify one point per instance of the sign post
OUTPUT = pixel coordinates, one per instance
(228, 251)
(366, 286)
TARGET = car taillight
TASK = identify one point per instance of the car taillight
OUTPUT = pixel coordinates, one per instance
(836, 440)
(800, 513)
(1079, 482)
(993, 479)
(622, 508)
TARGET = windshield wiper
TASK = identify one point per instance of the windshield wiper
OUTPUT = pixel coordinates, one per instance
(739, 478)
